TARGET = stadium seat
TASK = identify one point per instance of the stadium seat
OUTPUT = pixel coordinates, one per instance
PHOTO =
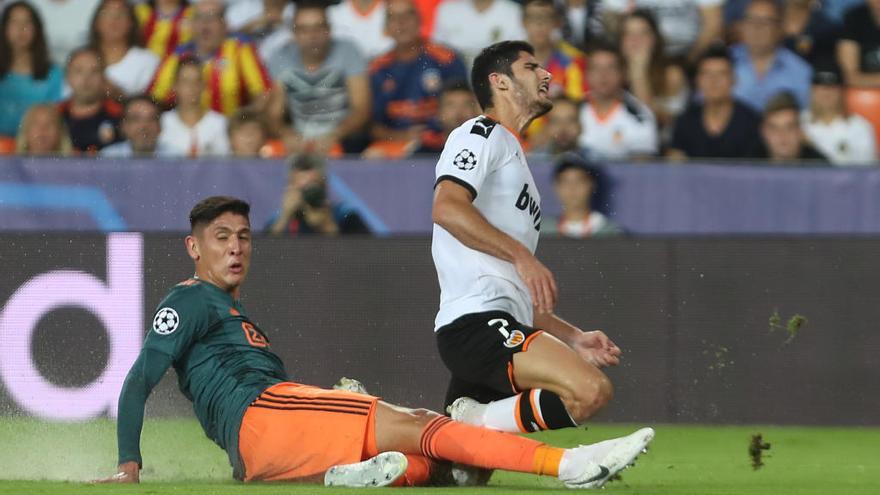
(866, 102)
(7, 145)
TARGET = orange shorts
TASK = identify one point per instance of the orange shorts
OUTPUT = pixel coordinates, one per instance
(296, 432)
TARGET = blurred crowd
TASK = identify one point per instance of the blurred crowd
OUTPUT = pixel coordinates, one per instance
(779, 81)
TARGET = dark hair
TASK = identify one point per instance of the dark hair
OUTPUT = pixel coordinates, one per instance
(206, 210)
(134, 32)
(305, 162)
(131, 100)
(454, 86)
(601, 46)
(187, 61)
(715, 51)
(247, 116)
(543, 3)
(495, 58)
(302, 5)
(657, 65)
(82, 51)
(781, 102)
(570, 161)
(39, 53)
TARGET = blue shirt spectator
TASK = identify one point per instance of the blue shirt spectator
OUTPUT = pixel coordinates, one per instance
(788, 72)
(26, 75)
(407, 81)
(764, 68)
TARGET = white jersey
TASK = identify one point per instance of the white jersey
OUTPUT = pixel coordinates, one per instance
(365, 29)
(845, 141)
(629, 128)
(488, 160)
(458, 24)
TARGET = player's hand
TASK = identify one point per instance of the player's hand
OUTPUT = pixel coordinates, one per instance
(540, 281)
(128, 472)
(597, 349)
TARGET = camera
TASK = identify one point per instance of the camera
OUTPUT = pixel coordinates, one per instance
(314, 195)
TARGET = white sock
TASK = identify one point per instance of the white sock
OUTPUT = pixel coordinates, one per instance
(502, 415)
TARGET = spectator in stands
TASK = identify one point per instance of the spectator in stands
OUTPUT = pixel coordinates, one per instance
(406, 82)
(468, 26)
(652, 78)
(191, 130)
(66, 24)
(567, 65)
(615, 124)
(807, 31)
(858, 51)
(140, 126)
(234, 75)
(583, 21)
(164, 24)
(248, 133)
(845, 138)
(688, 26)
(457, 105)
(305, 208)
(562, 129)
(27, 76)
(271, 29)
(259, 18)
(783, 139)
(43, 132)
(128, 68)
(717, 126)
(363, 23)
(763, 67)
(576, 183)
(323, 84)
(91, 117)
(836, 9)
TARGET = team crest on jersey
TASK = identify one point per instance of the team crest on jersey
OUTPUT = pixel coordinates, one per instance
(515, 338)
(465, 160)
(431, 81)
(166, 321)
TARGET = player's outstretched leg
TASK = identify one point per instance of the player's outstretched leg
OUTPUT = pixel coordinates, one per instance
(440, 438)
(559, 389)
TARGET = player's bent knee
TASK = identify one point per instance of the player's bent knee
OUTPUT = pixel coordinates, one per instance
(588, 398)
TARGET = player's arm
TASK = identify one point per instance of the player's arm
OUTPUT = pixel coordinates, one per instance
(144, 375)
(595, 347)
(453, 210)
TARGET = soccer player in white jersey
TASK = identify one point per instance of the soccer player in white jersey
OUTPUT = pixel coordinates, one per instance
(515, 365)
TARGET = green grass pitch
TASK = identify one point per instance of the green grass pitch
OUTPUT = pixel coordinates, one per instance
(54, 459)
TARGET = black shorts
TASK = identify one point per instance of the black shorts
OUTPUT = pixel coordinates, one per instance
(478, 349)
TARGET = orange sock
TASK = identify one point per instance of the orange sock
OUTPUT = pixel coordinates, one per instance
(449, 440)
(418, 471)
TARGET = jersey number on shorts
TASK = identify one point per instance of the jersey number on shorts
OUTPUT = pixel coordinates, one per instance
(512, 338)
(254, 336)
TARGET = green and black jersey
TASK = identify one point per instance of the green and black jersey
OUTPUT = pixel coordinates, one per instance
(222, 359)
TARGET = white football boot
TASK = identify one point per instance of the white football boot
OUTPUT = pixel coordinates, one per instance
(382, 470)
(579, 465)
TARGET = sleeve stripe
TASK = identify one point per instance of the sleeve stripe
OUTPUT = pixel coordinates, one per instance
(460, 182)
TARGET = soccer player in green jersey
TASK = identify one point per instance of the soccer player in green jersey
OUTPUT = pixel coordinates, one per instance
(274, 429)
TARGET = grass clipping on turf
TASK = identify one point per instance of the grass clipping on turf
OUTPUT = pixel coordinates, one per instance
(792, 327)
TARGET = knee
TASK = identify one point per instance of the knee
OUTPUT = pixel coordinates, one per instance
(588, 397)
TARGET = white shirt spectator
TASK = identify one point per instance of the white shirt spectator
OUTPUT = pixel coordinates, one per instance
(240, 12)
(628, 129)
(134, 72)
(65, 24)
(460, 25)
(679, 20)
(208, 138)
(365, 29)
(845, 141)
